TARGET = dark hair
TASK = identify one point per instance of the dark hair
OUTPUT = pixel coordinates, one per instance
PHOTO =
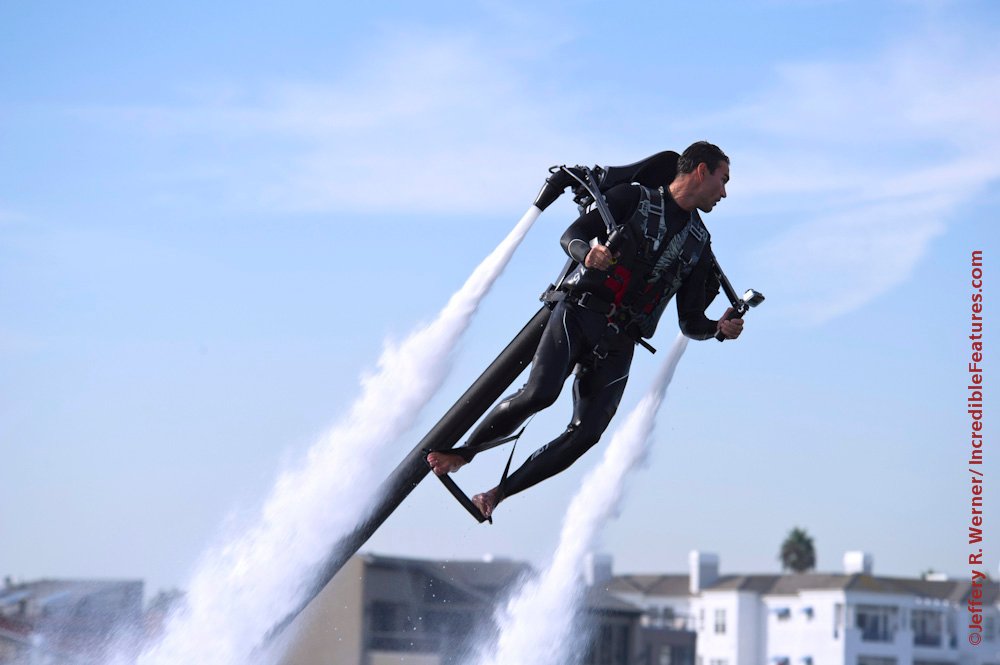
(699, 152)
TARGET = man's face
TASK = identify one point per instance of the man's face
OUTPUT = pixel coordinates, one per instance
(713, 186)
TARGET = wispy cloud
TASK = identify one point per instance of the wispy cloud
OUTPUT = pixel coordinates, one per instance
(873, 156)
(421, 122)
(846, 158)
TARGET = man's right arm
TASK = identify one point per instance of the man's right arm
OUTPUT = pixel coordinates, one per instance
(576, 239)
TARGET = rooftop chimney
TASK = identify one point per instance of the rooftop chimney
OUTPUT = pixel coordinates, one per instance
(858, 562)
(703, 569)
(597, 569)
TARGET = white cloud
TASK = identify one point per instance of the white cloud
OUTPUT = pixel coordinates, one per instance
(440, 122)
(872, 156)
(423, 122)
(836, 263)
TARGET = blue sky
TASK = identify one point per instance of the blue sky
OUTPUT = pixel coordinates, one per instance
(212, 217)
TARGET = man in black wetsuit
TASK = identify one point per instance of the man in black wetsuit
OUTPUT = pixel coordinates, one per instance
(615, 296)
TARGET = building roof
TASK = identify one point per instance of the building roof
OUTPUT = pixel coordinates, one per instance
(653, 585)
(955, 591)
(490, 577)
(480, 578)
(68, 618)
(598, 599)
(47, 593)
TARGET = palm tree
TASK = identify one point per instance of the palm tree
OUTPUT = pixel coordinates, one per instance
(797, 552)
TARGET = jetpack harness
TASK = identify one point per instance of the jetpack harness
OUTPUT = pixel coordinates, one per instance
(641, 287)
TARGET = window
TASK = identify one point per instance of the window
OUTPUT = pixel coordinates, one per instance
(720, 622)
(623, 654)
(391, 627)
(989, 628)
(384, 617)
(783, 613)
(875, 660)
(877, 623)
(611, 646)
(604, 646)
(659, 617)
(928, 628)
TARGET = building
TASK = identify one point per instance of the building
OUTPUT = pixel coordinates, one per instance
(52, 622)
(849, 618)
(666, 634)
(381, 610)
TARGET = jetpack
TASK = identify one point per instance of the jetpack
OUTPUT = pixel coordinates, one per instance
(587, 185)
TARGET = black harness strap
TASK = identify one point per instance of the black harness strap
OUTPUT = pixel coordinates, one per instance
(463, 499)
(467, 453)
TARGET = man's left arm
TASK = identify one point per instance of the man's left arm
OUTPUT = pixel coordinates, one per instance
(694, 297)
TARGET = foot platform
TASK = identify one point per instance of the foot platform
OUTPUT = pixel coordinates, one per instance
(467, 453)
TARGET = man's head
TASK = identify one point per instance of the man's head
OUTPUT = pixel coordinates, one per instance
(702, 174)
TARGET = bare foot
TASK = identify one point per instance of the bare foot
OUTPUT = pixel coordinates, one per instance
(487, 501)
(444, 463)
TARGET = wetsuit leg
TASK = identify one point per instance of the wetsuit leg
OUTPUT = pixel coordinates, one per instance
(569, 335)
(596, 395)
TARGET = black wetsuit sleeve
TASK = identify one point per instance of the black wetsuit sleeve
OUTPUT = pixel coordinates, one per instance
(694, 297)
(622, 201)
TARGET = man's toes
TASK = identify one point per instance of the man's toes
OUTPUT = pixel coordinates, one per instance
(440, 464)
(484, 502)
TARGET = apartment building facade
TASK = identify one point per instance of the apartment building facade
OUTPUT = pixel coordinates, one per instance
(848, 618)
(380, 610)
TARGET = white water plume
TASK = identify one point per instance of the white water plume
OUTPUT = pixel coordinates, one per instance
(242, 588)
(537, 625)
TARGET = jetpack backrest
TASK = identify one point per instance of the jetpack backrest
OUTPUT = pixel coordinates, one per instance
(654, 171)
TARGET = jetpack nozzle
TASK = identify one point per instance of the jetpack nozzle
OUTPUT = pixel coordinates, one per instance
(753, 298)
(557, 182)
(654, 171)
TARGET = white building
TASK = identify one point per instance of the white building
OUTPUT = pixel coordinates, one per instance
(850, 618)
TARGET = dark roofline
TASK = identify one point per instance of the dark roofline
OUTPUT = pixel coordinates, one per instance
(955, 591)
(596, 599)
(793, 584)
(661, 585)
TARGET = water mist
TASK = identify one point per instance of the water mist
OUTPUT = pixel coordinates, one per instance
(540, 622)
(241, 588)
